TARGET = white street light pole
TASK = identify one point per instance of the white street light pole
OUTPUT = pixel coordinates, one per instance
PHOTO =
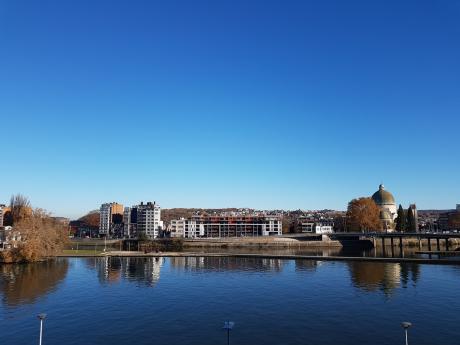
(228, 326)
(406, 326)
(41, 317)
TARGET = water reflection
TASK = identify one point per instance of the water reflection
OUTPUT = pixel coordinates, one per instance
(221, 264)
(372, 276)
(141, 270)
(306, 265)
(21, 284)
(375, 276)
(410, 272)
(25, 283)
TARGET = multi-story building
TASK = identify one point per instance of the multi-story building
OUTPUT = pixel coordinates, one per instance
(315, 226)
(226, 226)
(110, 214)
(443, 219)
(177, 227)
(149, 222)
(2, 207)
(130, 222)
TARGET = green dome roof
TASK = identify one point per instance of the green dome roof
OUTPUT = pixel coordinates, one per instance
(382, 197)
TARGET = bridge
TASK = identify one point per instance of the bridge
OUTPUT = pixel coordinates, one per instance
(396, 239)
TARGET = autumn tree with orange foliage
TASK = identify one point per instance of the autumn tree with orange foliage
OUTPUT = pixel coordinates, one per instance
(41, 236)
(363, 214)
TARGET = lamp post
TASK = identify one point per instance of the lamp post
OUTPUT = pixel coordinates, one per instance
(228, 326)
(406, 326)
(41, 317)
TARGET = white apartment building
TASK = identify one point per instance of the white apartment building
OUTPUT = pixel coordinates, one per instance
(177, 227)
(105, 219)
(314, 226)
(323, 229)
(2, 207)
(149, 220)
(107, 211)
(194, 229)
(226, 226)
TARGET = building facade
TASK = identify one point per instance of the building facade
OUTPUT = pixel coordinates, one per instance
(149, 222)
(177, 227)
(226, 226)
(109, 215)
(2, 208)
(130, 222)
(315, 226)
(444, 218)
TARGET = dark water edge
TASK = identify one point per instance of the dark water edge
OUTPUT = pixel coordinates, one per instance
(356, 251)
(185, 300)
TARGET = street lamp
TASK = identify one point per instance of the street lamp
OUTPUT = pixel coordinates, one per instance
(406, 326)
(41, 317)
(228, 326)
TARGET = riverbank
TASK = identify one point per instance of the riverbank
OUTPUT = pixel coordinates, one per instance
(302, 241)
(263, 242)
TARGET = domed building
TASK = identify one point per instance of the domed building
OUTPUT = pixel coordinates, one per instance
(388, 211)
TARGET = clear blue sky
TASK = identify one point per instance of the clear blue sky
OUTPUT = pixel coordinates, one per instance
(263, 104)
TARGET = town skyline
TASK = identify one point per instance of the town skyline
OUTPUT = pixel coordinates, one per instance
(95, 207)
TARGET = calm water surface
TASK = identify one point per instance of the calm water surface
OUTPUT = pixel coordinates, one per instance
(186, 300)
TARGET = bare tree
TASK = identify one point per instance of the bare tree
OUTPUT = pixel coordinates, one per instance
(19, 207)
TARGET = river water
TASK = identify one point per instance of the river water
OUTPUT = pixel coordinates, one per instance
(186, 301)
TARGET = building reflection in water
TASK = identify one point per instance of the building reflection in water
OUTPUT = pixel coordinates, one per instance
(373, 276)
(217, 264)
(307, 265)
(24, 284)
(410, 271)
(141, 270)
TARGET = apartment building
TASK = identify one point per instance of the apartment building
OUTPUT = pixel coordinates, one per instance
(315, 226)
(130, 222)
(177, 227)
(226, 226)
(148, 219)
(443, 219)
(110, 214)
(2, 208)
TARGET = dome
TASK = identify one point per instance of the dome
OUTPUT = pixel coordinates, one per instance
(383, 197)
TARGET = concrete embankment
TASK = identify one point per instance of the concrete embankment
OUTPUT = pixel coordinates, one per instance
(261, 242)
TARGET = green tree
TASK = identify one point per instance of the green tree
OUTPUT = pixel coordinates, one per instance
(401, 221)
(411, 224)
